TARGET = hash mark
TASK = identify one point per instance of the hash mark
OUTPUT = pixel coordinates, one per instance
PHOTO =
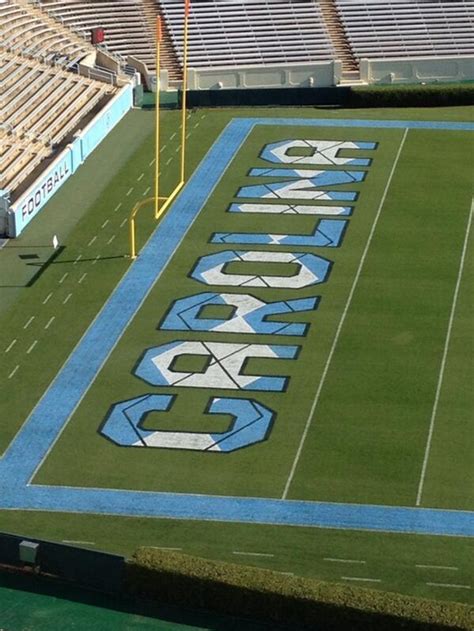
(82, 278)
(13, 371)
(67, 298)
(32, 347)
(105, 223)
(92, 241)
(64, 278)
(47, 298)
(29, 322)
(129, 191)
(10, 346)
(50, 321)
(111, 239)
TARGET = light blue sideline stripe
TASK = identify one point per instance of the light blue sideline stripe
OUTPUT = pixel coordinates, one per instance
(360, 122)
(32, 443)
(249, 510)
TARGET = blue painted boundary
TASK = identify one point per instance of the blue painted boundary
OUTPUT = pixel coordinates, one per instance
(52, 413)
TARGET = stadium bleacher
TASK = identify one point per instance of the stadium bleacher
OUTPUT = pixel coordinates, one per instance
(383, 29)
(257, 32)
(127, 30)
(42, 98)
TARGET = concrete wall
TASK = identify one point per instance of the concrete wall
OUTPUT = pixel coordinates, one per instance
(424, 69)
(66, 163)
(242, 77)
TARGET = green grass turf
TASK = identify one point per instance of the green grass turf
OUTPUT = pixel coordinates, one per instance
(267, 465)
(392, 558)
(400, 309)
(79, 212)
(29, 602)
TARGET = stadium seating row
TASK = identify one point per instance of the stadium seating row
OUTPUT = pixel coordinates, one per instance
(28, 30)
(229, 33)
(381, 29)
(41, 105)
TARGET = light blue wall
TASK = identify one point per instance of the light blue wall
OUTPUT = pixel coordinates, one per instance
(35, 198)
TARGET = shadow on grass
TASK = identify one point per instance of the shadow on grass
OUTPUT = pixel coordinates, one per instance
(67, 592)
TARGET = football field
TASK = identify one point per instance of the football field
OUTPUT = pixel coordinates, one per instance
(289, 357)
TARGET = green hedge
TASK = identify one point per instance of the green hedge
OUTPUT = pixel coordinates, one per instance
(411, 95)
(252, 592)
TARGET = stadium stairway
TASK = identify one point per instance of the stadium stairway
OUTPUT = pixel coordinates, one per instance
(169, 60)
(335, 28)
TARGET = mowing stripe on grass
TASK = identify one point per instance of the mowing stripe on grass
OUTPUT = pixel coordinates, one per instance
(341, 321)
(443, 361)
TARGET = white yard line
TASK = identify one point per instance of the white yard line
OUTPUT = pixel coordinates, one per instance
(32, 347)
(64, 278)
(253, 554)
(67, 298)
(451, 568)
(29, 322)
(443, 361)
(82, 278)
(10, 346)
(47, 297)
(13, 371)
(341, 321)
(344, 560)
(360, 578)
(449, 585)
(92, 240)
(84, 543)
(164, 548)
(50, 321)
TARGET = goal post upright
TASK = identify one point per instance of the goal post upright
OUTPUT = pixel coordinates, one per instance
(157, 113)
(158, 211)
(184, 89)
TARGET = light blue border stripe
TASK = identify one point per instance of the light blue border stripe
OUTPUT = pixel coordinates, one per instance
(38, 434)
